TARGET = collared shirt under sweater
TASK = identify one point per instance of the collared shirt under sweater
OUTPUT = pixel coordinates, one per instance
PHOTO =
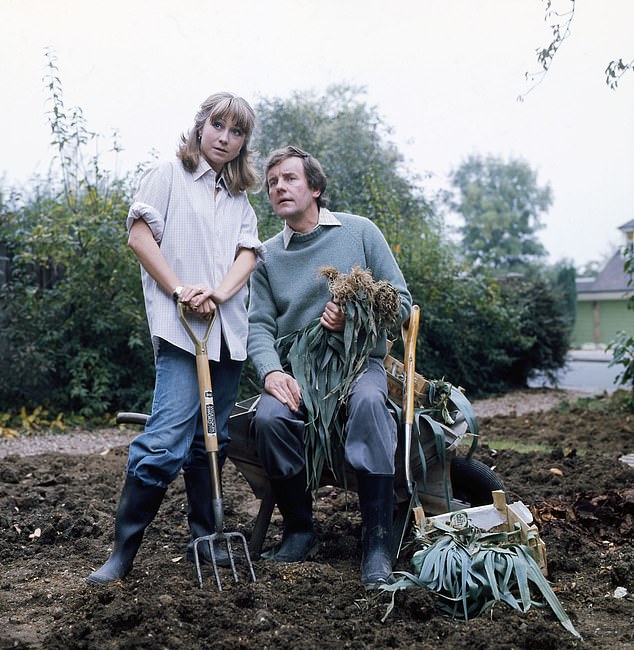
(288, 292)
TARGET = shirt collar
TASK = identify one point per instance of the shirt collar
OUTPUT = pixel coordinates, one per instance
(205, 168)
(326, 218)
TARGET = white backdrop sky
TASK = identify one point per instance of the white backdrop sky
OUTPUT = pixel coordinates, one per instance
(445, 74)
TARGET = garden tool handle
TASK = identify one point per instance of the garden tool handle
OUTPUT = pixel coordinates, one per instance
(199, 344)
(409, 333)
(206, 406)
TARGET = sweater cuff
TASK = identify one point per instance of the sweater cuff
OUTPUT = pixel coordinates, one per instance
(263, 371)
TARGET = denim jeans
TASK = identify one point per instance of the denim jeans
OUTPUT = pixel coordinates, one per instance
(173, 438)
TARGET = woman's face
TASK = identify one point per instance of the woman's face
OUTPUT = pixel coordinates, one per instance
(221, 141)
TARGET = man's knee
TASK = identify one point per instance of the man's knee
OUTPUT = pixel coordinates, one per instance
(264, 420)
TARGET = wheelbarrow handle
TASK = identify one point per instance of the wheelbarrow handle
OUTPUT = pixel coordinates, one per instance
(409, 333)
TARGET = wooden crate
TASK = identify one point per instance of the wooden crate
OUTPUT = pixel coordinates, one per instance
(395, 382)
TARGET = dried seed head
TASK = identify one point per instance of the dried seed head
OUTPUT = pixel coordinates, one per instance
(359, 286)
(387, 304)
(328, 272)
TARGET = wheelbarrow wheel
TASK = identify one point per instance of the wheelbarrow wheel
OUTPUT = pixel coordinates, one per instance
(472, 481)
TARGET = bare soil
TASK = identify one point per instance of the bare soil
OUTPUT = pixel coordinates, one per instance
(57, 508)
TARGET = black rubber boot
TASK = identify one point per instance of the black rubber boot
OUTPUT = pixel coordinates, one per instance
(376, 501)
(200, 516)
(138, 506)
(295, 503)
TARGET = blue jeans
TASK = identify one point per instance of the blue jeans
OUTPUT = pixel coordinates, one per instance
(173, 438)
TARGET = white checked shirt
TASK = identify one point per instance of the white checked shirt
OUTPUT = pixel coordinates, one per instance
(199, 233)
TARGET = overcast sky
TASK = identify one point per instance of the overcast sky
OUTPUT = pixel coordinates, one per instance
(445, 74)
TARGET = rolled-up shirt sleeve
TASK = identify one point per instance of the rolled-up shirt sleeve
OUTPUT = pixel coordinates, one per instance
(151, 201)
(150, 215)
(248, 237)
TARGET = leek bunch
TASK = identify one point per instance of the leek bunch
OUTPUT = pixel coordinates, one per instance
(326, 363)
(471, 570)
(443, 404)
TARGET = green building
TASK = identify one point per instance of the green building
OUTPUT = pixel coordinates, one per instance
(602, 302)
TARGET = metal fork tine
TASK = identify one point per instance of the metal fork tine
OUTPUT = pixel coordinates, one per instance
(226, 539)
(230, 554)
(214, 564)
(208, 414)
(245, 548)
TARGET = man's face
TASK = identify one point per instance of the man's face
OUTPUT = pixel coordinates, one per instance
(291, 197)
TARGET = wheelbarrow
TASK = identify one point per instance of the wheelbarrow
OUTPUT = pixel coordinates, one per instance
(434, 477)
(428, 475)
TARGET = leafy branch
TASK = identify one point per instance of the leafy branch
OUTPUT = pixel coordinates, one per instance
(615, 70)
(560, 23)
(560, 26)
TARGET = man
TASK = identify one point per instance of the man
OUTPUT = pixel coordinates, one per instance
(287, 293)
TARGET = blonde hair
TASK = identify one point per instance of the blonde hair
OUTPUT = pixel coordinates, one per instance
(240, 173)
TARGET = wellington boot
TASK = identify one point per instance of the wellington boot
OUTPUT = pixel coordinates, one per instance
(295, 503)
(376, 500)
(138, 506)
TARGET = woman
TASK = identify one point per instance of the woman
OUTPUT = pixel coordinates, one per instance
(195, 234)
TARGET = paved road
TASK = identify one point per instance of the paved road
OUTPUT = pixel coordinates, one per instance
(585, 370)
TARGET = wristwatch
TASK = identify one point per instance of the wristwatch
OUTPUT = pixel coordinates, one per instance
(177, 293)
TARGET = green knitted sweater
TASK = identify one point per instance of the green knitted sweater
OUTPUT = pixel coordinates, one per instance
(287, 291)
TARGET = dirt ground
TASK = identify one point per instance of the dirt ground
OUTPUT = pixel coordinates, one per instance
(56, 515)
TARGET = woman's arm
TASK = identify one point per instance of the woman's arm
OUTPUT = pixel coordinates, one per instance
(142, 242)
(236, 278)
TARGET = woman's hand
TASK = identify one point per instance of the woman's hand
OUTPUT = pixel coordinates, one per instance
(198, 297)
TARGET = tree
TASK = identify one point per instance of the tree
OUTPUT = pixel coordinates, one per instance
(545, 323)
(622, 345)
(366, 172)
(71, 304)
(589, 269)
(563, 278)
(470, 333)
(501, 204)
(74, 329)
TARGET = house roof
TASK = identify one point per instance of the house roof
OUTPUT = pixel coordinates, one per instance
(611, 278)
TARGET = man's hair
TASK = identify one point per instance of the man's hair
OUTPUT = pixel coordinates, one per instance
(240, 173)
(312, 169)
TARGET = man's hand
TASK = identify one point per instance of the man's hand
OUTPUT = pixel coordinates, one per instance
(284, 388)
(334, 317)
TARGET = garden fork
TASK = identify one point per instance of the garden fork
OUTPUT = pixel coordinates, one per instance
(211, 445)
